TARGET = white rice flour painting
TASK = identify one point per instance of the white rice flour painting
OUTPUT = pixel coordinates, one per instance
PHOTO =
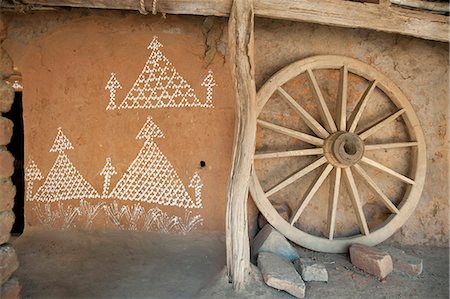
(150, 178)
(64, 181)
(159, 85)
(32, 173)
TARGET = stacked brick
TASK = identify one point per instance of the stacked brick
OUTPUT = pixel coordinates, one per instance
(9, 285)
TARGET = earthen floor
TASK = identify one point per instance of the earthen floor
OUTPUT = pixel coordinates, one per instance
(125, 264)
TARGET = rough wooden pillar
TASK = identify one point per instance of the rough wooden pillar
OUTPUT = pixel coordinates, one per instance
(240, 46)
(9, 286)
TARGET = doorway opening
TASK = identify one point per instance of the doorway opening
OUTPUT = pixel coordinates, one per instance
(16, 149)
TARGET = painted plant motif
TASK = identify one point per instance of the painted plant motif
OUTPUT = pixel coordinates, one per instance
(108, 171)
(32, 173)
(159, 85)
(112, 86)
(150, 179)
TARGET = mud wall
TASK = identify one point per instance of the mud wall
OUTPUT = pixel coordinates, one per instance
(127, 124)
(66, 60)
(418, 67)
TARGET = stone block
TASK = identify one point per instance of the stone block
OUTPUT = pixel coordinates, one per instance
(6, 64)
(371, 260)
(8, 261)
(6, 96)
(6, 222)
(6, 130)
(403, 262)
(283, 210)
(270, 240)
(311, 270)
(11, 289)
(7, 194)
(6, 164)
(279, 273)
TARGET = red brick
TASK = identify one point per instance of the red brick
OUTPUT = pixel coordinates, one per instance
(9, 262)
(6, 96)
(6, 130)
(6, 164)
(11, 289)
(371, 260)
(6, 222)
(7, 194)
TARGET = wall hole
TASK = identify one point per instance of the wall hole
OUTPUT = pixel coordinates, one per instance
(202, 164)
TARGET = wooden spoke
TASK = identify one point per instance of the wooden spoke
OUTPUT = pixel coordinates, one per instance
(296, 153)
(372, 147)
(292, 133)
(323, 108)
(341, 108)
(313, 189)
(356, 202)
(334, 197)
(381, 124)
(307, 118)
(337, 144)
(374, 187)
(387, 170)
(296, 176)
(359, 109)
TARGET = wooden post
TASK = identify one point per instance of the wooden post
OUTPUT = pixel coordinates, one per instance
(240, 47)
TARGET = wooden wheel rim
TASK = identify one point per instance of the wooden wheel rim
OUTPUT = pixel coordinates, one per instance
(417, 172)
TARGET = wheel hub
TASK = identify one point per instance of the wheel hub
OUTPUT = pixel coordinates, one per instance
(343, 149)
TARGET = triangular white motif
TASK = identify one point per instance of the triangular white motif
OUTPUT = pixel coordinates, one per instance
(61, 143)
(64, 181)
(150, 130)
(151, 177)
(159, 84)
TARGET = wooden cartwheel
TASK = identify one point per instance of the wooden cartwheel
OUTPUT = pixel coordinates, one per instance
(340, 148)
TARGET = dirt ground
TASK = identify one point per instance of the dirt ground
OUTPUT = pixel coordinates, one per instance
(127, 264)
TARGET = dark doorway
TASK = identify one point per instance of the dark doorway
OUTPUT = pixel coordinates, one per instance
(16, 148)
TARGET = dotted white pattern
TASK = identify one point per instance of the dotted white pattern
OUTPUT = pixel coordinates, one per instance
(209, 83)
(196, 184)
(32, 173)
(159, 85)
(64, 181)
(152, 178)
(108, 171)
(112, 85)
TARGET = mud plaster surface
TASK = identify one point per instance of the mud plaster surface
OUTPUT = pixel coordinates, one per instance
(65, 61)
(418, 67)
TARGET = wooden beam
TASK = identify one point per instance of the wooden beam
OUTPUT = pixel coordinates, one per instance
(358, 15)
(441, 7)
(240, 50)
(327, 12)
